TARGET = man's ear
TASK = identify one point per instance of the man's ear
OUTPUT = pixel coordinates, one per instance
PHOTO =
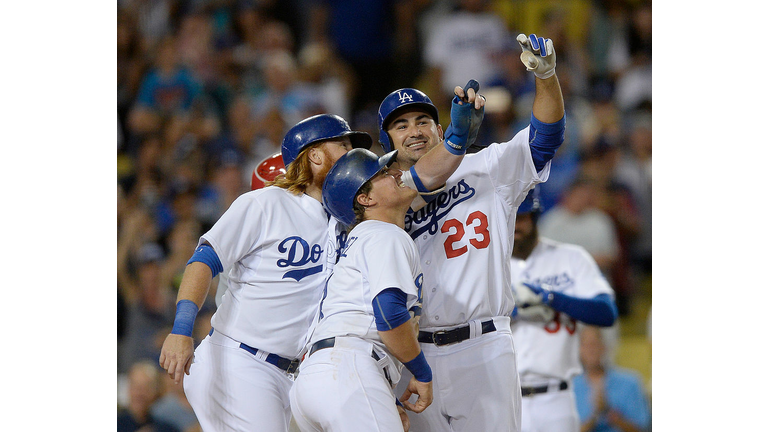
(365, 200)
(315, 155)
(440, 131)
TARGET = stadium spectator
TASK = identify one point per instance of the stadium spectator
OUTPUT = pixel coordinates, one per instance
(144, 389)
(608, 398)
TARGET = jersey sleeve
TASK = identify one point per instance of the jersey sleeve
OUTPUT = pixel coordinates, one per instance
(589, 279)
(392, 262)
(238, 230)
(511, 168)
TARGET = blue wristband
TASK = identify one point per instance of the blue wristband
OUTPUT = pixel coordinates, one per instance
(416, 180)
(184, 323)
(420, 368)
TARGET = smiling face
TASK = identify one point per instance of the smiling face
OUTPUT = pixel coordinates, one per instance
(413, 133)
(389, 189)
(385, 197)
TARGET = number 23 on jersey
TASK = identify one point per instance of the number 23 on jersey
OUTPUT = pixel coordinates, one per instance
(479, 237)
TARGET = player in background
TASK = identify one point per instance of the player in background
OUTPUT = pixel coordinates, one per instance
(464, 238)
(558, 286)
(281, 246)
(371, 303)
(266, 171)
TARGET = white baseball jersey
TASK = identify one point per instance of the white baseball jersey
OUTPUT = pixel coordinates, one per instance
(465, 235)
(551, 350)
(279, 252)
(344, 387)
(365, 269)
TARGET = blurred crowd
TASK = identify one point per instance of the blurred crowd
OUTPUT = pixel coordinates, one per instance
(207, 88)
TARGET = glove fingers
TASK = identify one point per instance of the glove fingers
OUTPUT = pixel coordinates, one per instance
(523, 41)
(543, 47)
(534, 43)
(550, 47)
(471, 84)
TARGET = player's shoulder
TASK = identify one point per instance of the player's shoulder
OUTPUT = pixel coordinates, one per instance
(625, 376)
(562, 248)
(273, 196)
(270, 191)
(275, 200)
(378, 229)
(380, 232)
(494, 150)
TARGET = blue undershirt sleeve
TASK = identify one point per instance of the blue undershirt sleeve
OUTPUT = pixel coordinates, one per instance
(599, 310)
(389, 309)
(206, 255)
(544, 140)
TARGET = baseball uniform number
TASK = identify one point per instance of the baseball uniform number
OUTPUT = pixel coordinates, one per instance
(554, 325)
(481, 241)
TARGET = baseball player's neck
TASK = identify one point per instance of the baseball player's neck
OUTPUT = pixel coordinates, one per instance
(406, 164)
(389, 215)
(315, 192)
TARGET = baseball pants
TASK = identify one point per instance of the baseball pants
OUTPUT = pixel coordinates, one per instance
(343, 389)
(554, 411)
(475, 385)
(232, 390)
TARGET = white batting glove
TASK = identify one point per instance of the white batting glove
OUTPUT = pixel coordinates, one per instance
(538, 55)
(526, 295)
(538, 313)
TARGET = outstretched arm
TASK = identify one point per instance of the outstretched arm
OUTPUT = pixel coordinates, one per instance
(548, 105)
(548, 113)
(599, 310)
(538, 56)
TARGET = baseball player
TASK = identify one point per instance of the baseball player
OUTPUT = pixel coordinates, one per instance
(557, 286)
(366, 331)
(464, 236)
(266, 171)
(275, 241)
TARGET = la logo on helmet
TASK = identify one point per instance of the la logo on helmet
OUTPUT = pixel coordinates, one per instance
(404, 97)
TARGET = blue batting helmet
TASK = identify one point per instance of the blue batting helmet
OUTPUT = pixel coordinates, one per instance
(531, 203)
(318, 128)
(347, 176)
(398, 99)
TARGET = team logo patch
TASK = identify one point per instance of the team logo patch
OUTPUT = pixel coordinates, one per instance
(416, 308)
(341, 242)
(299, 254)
(344, 247)
(404, 97)
(561, 281)
(427, 218)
